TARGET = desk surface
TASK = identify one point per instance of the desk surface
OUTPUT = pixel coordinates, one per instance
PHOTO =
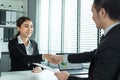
(29, 75)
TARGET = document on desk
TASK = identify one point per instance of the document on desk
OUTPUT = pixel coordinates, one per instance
(45, 67)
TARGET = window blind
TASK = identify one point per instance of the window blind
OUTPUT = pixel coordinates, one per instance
(58, 26)
(70, 26)
(54, 27)
(42, 30)
(88, 30)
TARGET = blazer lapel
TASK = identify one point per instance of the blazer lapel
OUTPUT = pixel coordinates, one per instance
(23, 48)
(103, 38)
(33, 44)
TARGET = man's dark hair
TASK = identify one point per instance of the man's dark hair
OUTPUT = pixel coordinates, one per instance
(112, 7)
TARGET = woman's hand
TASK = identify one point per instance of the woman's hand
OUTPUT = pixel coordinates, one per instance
(37, 70)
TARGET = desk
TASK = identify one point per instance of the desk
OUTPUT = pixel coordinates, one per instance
(29, 75)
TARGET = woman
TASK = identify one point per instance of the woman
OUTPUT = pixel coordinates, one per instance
(24, 51)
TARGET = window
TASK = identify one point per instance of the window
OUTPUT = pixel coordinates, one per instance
(88, 30)
(66, 26)
(70, 27)
(42, 30)
(54, 27)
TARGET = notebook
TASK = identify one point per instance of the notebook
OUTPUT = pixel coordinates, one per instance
(72, 68)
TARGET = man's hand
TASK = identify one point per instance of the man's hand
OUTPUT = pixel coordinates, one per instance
(63, 75)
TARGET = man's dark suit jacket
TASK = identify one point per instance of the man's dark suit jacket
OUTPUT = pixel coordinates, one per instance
(19, 58)
(105, 60)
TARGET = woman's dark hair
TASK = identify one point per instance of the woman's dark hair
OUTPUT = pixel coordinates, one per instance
(20, 21)
(112, 7)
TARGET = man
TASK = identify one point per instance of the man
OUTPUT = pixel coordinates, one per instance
(105, 60)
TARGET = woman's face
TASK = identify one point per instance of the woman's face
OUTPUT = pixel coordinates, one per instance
(26, 29)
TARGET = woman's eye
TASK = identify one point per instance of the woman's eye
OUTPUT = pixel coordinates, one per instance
(26, 26)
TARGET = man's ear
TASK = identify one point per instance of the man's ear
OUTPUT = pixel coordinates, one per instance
(102, 13)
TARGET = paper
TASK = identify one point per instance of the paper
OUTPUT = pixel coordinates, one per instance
(46, 67)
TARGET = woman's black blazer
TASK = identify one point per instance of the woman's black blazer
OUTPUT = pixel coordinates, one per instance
(19, 58)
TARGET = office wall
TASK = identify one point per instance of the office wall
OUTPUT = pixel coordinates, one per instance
(32, 14)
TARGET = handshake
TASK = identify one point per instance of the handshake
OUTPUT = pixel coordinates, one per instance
(54, 59)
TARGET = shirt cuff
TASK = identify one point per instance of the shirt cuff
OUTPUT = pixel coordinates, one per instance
(65, 58)
(43, 57)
